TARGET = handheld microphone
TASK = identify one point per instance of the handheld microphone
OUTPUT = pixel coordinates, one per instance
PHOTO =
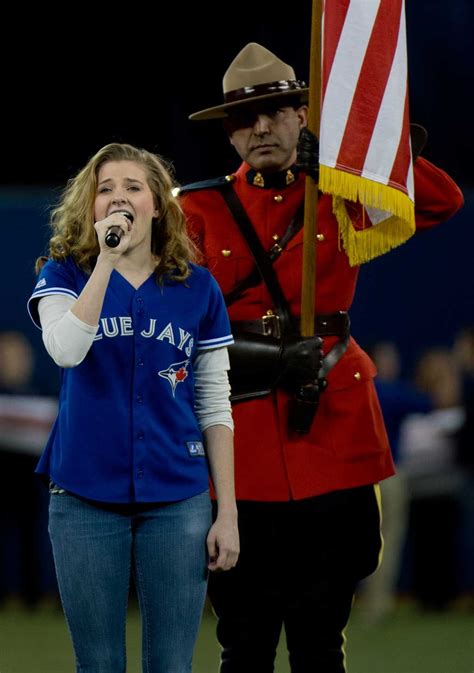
(114, 234)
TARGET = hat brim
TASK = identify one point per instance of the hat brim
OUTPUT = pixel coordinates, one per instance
(220, 111)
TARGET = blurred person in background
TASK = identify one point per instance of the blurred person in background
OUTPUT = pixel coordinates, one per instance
(463, 350)
(428, 458)
(16, 364)
(398, 398)
(140, 335)
(25, 420)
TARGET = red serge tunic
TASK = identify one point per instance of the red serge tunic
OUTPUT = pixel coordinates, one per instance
(347, 445)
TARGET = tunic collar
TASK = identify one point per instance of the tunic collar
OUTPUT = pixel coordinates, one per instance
(278, 180)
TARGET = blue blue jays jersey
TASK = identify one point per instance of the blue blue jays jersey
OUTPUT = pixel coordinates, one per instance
(126, 430)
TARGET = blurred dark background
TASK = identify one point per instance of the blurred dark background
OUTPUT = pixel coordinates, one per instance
(134, 78)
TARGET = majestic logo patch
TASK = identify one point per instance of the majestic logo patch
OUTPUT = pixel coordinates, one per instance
(40, 283)
(176, 373)
(195, 449)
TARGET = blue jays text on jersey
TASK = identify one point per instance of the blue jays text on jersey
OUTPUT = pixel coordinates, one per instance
(126, 413)
(122, 326)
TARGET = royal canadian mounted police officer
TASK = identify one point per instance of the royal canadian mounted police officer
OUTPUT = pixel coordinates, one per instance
(309, 511)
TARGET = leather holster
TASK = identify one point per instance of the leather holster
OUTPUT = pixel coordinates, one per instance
(254, 365)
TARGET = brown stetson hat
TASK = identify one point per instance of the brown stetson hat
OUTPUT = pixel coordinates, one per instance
(255, 74)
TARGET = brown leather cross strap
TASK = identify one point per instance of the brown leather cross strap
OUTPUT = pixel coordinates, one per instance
(329, 324)
(263, 260)
(254, 278)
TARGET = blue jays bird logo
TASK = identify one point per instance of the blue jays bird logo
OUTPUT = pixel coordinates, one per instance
(176, 373)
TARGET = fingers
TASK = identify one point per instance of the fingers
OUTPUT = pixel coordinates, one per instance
(223, 550)
(115, 221)
(222, 561)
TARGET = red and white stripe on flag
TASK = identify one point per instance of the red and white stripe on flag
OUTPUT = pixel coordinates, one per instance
(365, 152)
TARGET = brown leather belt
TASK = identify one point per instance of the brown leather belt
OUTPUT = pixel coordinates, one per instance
(326, 324)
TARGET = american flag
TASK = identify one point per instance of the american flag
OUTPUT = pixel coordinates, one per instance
(365, 152)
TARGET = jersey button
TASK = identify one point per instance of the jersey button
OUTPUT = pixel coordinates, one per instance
(140, 300)
(140, 362)
(139, 474)
(141, 435)
(140, 398)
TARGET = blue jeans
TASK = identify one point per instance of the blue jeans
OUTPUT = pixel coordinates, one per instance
(96, 549)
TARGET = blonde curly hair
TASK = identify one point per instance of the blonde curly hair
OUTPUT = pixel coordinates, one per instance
(72, 220)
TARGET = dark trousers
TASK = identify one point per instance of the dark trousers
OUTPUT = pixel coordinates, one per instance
(299, 566)
(23, 522)
(435, 529)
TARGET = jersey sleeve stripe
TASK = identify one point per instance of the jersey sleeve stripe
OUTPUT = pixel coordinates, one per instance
(54, 290)
(214, 343)
(32, 304)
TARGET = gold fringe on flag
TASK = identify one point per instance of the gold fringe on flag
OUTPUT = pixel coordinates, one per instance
(365, 244)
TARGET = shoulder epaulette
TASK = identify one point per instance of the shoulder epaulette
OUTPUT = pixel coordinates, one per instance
(213, 183)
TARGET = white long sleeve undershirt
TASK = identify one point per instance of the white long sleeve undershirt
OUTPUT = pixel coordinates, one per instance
(68, 340)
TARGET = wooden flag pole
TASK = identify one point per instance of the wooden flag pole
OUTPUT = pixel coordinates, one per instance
(308, 288)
